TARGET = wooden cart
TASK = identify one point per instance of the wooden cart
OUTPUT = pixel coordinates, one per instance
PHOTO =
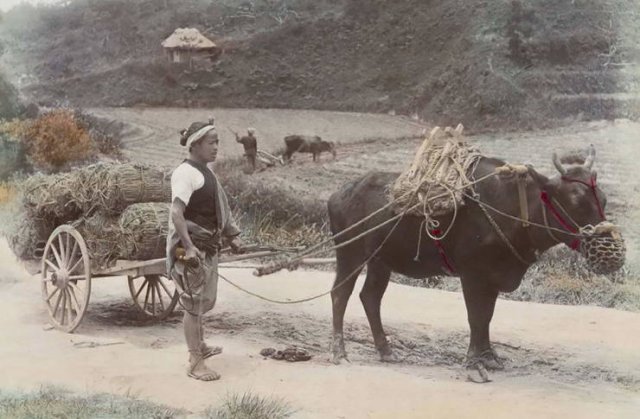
(66, 275)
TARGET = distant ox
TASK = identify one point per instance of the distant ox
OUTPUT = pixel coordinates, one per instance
(307, 144)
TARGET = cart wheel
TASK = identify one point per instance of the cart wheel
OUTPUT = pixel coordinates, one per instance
(66, 278)
(154, 295)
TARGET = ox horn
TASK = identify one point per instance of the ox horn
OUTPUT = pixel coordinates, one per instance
(558, 165)
(588, 162)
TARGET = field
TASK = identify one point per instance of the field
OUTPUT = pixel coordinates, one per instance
(381, 142)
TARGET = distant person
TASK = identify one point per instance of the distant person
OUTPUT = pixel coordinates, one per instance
(200, 219)
(250, 144)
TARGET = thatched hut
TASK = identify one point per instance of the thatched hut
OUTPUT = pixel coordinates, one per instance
(186, 44)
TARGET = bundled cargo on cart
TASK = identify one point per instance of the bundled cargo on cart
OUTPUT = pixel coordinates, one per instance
(93, 199)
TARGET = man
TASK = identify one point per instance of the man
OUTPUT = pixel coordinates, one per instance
(200, 218)
(250, 144)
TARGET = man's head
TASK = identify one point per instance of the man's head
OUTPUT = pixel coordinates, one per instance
(251, 131)
(202, 141)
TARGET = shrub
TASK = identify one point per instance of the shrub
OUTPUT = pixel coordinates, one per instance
(105, 134)
(56, 139)
(250, 406)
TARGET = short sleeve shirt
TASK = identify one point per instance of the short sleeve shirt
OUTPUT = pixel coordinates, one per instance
(185, 180)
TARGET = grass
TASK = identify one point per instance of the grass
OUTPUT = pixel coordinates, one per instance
(559, 277)
(270, 215)
(56, 402)
(257, 198)
(250, 406)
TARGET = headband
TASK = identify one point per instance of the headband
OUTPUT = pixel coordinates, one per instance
(199, 134)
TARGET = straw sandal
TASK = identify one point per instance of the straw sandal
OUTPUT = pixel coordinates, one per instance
(200, 371)
(209, 351)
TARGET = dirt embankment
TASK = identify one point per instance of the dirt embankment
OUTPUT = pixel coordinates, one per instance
(489, 64)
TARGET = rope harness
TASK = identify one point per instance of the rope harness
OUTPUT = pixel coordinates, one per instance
(602, 245)
(419, 187)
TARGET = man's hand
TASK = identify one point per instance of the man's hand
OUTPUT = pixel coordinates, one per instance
(237, 245)
(192, 253)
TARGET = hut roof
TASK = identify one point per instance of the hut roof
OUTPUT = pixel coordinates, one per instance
(188, 38)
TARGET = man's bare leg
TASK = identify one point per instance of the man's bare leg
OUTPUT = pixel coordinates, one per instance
(192, 333)
(206, 350)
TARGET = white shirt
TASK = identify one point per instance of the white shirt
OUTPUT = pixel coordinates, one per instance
(185, 180)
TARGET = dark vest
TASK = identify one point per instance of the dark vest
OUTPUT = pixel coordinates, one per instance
(202, 204)
(250, 144)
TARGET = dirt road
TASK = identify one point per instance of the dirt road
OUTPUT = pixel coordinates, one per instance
(563, 361)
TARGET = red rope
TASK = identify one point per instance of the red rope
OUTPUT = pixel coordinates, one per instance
(591, 185)
(443, 254)
(544, 196)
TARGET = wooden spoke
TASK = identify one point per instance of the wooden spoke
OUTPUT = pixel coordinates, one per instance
(56, 255)
(161, 282)
(55, 310)
(146, 297)
(75, 265)
(72, 254)
(154, 304)
(67, 306)
(74, 299)
(153, 299)
(51, 265)
(141, 288)
(63, 250)
(66, 248)
(55, 291)
(76, 290)
(62, 311)
(159, 296)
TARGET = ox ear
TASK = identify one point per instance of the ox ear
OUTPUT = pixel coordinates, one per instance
(540, 179)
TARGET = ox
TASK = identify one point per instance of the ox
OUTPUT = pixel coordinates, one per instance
(307, 144)
(478, 255)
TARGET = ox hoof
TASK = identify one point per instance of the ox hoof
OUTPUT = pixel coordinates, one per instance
(488, 358)
(478, 374)
(337, 358)
(389, 357)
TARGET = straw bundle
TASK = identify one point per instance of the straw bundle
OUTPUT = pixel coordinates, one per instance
(28, 238)
(107, 187)
(436, 176)
(101, 192)
(113, 188)
(102, 235)
(144, 229)
(140, 233)
(51, 197)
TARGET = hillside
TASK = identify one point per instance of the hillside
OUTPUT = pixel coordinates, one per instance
(488, 63)
(9, 106)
